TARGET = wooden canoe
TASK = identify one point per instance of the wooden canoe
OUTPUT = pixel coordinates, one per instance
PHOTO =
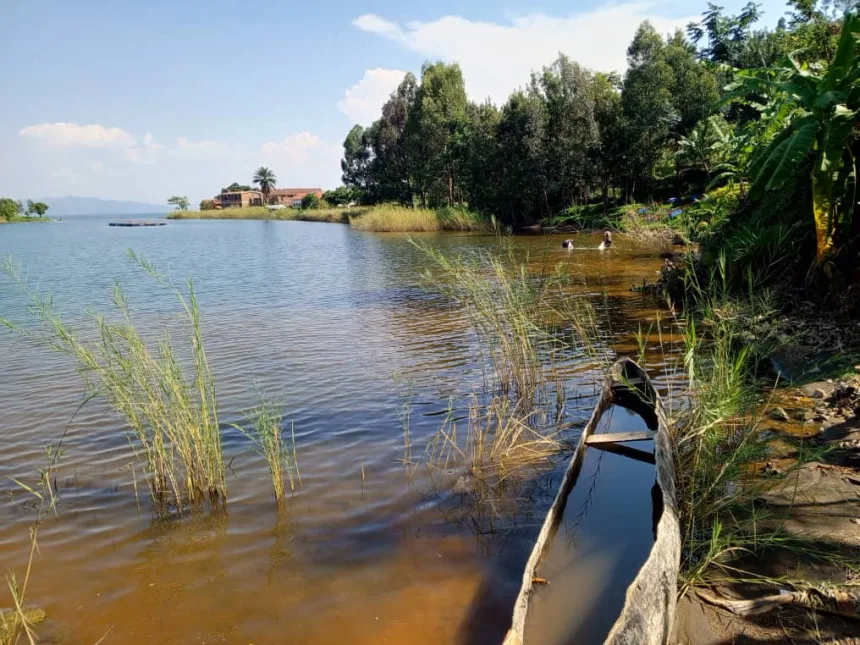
(649, 607)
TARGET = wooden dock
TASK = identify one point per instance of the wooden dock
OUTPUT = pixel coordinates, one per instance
(139, 223)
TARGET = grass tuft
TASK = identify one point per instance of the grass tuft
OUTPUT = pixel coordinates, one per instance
(534, 333)
(171, 411)
(717, 430)
(265, 431)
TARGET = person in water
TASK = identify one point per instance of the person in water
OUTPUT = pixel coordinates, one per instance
(607, 238)
(567, 244)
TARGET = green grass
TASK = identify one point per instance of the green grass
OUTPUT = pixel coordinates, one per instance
(23, 218)
(265, 431)
(335, 215)
(390, 218)
(170, 408)
(717, 429)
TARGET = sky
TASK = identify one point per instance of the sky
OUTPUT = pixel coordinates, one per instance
(143, 99)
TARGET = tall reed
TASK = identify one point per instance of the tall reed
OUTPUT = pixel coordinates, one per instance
(392, 218)
(170, 411)
(535, 332)
(21, 621)
(717, 439)
(265, 431)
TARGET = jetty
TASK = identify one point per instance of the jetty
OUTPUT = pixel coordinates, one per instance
(133, 222)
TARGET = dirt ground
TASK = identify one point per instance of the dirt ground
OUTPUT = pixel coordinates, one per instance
(819, 500)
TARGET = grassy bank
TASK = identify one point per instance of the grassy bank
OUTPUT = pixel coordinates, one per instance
(390, 218)
(336, 215)
(21, 218)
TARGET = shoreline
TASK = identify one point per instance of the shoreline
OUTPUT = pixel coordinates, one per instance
(332, 215)
(22, 220)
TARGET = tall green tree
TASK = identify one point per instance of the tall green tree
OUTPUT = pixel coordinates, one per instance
(9, 208)
(393, 154)
(482, 160)
(608, 157)
(357, 156)
(571, 132)
(266, 180)
(178, 202)
(522, 177)
(649, 110)
(37, 208)
(437, 130)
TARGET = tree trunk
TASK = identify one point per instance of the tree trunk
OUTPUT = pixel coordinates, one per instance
(605, 195)
(821, 207)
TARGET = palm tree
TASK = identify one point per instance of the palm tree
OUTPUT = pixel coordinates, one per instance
(813, 114)
(266, 180)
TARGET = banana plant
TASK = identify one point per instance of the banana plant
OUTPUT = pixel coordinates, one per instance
(812, 114)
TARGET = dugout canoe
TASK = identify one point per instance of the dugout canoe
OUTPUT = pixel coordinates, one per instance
(649, 607)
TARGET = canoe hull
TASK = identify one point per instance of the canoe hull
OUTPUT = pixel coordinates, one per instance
(649, 608)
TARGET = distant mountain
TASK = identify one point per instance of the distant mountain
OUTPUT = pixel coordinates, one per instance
(61, 206)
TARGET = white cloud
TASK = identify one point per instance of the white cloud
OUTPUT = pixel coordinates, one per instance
(148, 168)
(293, 146)
(497, 58)
(303, 159)
(197, 149)
(363, 101)
(73, 135)
(147, 153)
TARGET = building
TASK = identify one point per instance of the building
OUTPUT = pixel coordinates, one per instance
(239, 199)
(292, 196)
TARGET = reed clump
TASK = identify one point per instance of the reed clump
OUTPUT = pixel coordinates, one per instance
(535, 332)
(265, 432)
(392, 218)
(20, 621)
(170, 408)
(718, 446)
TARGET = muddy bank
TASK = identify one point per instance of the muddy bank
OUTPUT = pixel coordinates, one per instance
(818, 502)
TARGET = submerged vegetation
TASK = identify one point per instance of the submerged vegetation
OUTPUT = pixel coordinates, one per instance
(172, 417)
(532, 329)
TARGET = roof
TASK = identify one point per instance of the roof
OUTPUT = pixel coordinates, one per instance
(293, 192)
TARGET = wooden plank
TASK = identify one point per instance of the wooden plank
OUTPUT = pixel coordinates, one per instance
(626, 451)
(620, 437)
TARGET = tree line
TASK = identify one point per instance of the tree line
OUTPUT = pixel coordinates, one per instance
(11, 209)
(695, 109)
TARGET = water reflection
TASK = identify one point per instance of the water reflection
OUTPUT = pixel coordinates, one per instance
(323, 318)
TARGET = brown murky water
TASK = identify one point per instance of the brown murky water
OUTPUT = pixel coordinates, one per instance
(331, 323)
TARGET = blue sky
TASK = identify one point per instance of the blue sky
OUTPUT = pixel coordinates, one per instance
(140, 100)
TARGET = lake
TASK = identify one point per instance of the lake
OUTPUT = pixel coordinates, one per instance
(337, 327)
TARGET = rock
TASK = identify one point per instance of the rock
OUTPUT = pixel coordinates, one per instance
(818, 390)
(798, 414)
(778, 414)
